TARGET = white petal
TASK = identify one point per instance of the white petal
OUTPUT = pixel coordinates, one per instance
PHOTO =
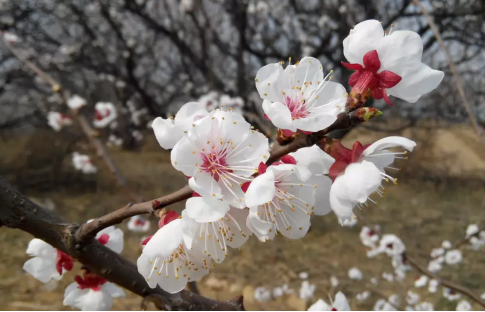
(238, 225)
(279, 114)
(306, 75)
(232, 193)
(204, 184)
(165, 240)
(341, 303)
(261, 190)
(400, 52)
(114, 290)
(259, 227)
(203, 209)
(166, 132)
(322, 194)
(392, 141)
(362, 39)
(342, 208)
(38, 247)
(185, 158)
(422, 80)
(42, 269)
(360, 180)
(313, 158)
(270, 82)
(320, 305)
(189, 113)
(381, 159)
(115, 241)
(314, 122)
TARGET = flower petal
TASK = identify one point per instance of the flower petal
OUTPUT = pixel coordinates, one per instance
(279, 114)
(270, 81)
(340, 303)
(371, 61)
(189, 113)
(203, 209)
(114, 290)
(314, 123)
(261, 190)
(354, 78)
(259, 227)
(313, 158)
(392, 141)
(362, 39)
(165, 240)
(204, 184)
(184, 157)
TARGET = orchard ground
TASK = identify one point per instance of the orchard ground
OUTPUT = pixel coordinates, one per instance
(440, 191)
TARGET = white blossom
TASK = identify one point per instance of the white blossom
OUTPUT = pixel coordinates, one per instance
(355, 274)
(83, 163)
(76, 102)
(262, 294)
(424, 306)
(57, 120)
(303, 275)
(334, 281)
(363, 296)
(463, 305)
(104, 114)
(412, 298)
(91, 293)
(446, 244)
(300, 97)
(471, 230)
(138, 224)
(421, 281)
(433, 286)
(453, 256)
(339, 304)
(306, 290)
(450, 294)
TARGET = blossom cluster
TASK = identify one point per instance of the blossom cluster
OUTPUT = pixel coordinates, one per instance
(89, 292)
(237, 192)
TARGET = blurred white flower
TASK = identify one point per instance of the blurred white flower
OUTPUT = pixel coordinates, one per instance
(392, 245)
(446, 244)
(394, 300)
(434, 266)
(303, 275)
(350, 222)
(278, 292)
(388, 276)
(104, 114)
(383, 305)
(10, 37)
(57, 120)
(138, 224)
(471, 230)
(450, 294)
(424, 306)
(76, 102)
(453, 256)
(421, 281)
(463, 305)
(334, 281)
(262, 294)
(369, 237)
(362, 296)
(355, 274)
(307, 290)
(433, 286)
(412, 298)
(374, 281)
(436, 252)
(83, 163)
(114, 140)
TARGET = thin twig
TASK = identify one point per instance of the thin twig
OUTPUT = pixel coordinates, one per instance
(451, 64)
(457, 287)
(86, 128)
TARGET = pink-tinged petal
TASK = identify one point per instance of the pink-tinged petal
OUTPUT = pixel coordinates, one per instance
(337, 168)
(386, 98)
(388, 79)
(392, 141)
(357, 150)
(204, 210)
(354, 78)
(279, 114)
(352, 66)
(287, 133)
(287, 159)
(377, 93)
(261, 190)
(340, 152)
(371, 61)
(195, 194)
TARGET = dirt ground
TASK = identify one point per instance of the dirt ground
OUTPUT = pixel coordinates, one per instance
(423, 210)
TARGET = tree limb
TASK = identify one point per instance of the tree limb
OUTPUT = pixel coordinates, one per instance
(17, 211)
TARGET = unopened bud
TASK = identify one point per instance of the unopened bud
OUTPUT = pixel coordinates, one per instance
(285, 136)
(363, 114)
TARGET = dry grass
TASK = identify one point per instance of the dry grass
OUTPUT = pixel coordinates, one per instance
(422, 211)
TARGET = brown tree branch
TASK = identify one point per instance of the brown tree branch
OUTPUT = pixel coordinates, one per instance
(17, 211)
(457, 287)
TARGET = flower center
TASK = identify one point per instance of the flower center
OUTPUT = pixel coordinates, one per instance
(63, 261)
(297, 106)
(91, 281)
(100, 116)
(215, 163)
